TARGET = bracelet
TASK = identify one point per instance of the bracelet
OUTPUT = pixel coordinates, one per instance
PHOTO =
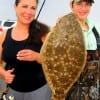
(2, 64)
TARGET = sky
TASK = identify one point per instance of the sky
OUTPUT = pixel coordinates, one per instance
(52, 9)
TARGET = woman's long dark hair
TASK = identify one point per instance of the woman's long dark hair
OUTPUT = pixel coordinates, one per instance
(37, 30)
(17, 1)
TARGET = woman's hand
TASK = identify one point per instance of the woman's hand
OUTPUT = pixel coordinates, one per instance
(8, 76)
(28, 55)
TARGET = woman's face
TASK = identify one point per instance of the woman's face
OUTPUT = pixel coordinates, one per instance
(81, 9)
(26, 10)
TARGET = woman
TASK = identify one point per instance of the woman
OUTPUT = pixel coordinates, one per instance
(88, 85)
(19, 48)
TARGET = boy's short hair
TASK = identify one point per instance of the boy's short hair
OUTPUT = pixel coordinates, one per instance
(89, 1)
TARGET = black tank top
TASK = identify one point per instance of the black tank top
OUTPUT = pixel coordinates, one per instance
(29, 75)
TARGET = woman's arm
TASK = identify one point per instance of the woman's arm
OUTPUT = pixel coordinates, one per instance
(7, 75)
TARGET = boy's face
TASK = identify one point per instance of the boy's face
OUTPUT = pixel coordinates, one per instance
(81, 9)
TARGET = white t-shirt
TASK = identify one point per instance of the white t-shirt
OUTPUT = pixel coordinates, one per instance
(89, 37)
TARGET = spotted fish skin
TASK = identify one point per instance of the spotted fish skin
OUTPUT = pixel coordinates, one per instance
(63, 56)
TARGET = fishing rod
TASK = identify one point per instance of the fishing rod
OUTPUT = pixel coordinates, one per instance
(35, 23)
(40, 9)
